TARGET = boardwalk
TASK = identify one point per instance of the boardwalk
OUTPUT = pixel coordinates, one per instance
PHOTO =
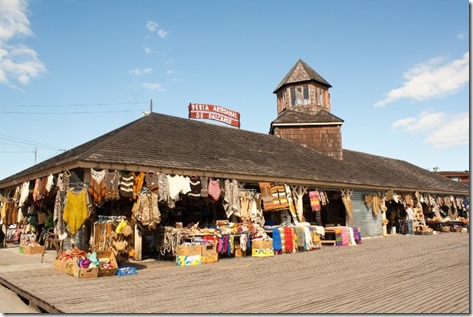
(396, 274)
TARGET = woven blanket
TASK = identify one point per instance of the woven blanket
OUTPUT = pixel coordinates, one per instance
(314, 200)
(338, 237)
(288, 240)
(277, 245)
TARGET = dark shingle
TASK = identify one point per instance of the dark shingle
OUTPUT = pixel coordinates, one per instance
(164, 141)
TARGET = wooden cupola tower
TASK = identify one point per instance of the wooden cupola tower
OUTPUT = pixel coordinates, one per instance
(303, 106)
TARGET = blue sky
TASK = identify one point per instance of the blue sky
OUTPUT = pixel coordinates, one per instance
(71, 71)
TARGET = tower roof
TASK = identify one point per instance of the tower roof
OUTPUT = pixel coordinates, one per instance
(301, 72)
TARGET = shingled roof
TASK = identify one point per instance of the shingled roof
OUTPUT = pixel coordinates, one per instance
(290, 116)
(185, 146)
(306, 73)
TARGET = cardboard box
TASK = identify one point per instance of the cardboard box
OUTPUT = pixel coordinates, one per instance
(188, 260)
(262, 252)
(209, 249)
(210, 258)
(80, 272)
(110, 257)
(33, 250)
(183, 250)
(60, 265)
(262, 244)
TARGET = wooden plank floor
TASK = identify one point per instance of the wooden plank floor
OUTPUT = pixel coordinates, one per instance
(397, 274)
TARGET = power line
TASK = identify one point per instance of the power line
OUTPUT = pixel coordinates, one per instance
(74, 112)
(29, 142)
(77, 105)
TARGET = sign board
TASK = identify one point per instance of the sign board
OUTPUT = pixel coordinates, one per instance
(212, 112)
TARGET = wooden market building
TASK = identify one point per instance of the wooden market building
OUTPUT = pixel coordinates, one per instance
(303, 149)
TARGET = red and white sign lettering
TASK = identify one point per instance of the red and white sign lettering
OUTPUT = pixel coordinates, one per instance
(212, 112)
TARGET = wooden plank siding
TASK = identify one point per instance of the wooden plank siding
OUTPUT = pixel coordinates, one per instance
(367, 223)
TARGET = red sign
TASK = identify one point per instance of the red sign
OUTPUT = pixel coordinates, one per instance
(211, 112)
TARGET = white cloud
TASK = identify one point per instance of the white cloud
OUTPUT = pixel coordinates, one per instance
(451, 133)
(139, 72)
(155, 28)
(148, 50)
(432, 79)
(169, 72)
(154, 86)
(443, 130)
(18, 62)
(13, 20)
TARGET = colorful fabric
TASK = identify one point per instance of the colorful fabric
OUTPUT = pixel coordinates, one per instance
(277, 246)
(75, 210)
(288, 240)
(357, 235)
(283, 241)
(214, 189)
(338, 237)
(314, 200)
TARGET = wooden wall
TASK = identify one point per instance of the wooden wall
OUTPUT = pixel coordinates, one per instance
(324, 139)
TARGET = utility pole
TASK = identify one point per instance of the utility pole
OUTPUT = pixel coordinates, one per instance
(35, 154)
(151, 105)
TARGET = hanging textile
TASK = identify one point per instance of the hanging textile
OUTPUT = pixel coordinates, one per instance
(314, 200)
(346, 199)
(214, 189)
(163, 184)
(112, 181)
(151, 180)
(76, 210)
(231, 201)
(196, 186)
(97, 185)
(24, 192)
(147, 212)
(59, 203)
(126, 184)
(204, 180)
(138, 184)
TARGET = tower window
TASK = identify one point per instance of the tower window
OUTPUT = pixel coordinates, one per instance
(300, 95)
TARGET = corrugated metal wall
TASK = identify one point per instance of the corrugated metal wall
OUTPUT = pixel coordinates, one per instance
(367, 223)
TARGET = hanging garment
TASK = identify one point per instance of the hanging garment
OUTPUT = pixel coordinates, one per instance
(49, 183)
(112, 181)
(139, 181)
(24, 192)
(126, 184)
(147, 209)
(97, 185)
(163, 184)
(152, 181)
(36, 189)
(231, 202)
(214, 189)
(195, 185)
(204, 180)
(76, 210)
